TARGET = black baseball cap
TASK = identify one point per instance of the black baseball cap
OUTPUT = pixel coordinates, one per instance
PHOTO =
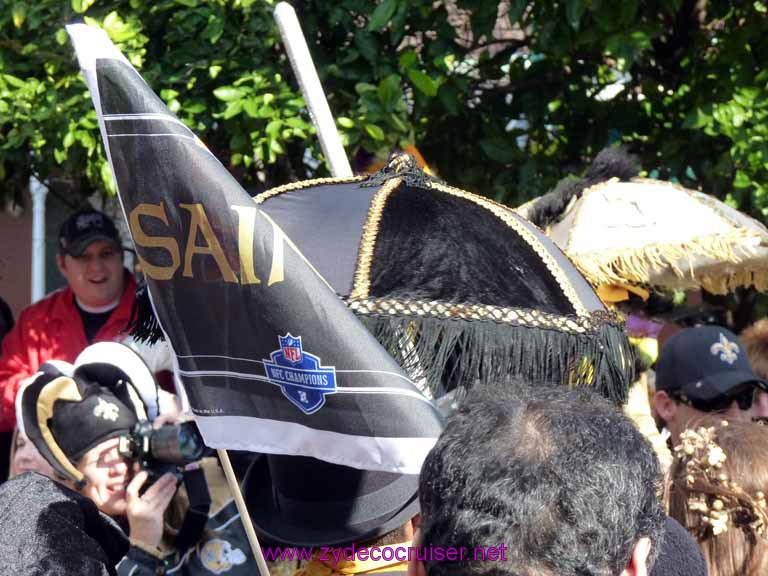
(85, 227)
(704, 364)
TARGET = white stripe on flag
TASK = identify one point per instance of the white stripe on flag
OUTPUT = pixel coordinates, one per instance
(339, 389)
(401, 455)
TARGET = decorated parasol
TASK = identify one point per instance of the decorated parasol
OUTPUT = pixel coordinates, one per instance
(643, 232)
(459, 289)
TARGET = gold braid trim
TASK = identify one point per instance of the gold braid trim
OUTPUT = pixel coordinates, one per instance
(362, 284)
(445, 310)
(272, 192)
(506, 215)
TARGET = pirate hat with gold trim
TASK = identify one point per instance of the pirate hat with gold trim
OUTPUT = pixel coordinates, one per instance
(66, 415)
(459, 289)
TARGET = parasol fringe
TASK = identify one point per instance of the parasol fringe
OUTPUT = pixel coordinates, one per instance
(460, 354)
(615, 267)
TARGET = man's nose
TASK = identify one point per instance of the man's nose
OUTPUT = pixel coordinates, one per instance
(96, 263)
(761, 405)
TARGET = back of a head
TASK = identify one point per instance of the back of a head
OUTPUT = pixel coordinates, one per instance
(561, 478)
(719, 484)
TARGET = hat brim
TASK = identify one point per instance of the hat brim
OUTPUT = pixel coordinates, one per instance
(719, 384)
(79, 246)
(327, 523)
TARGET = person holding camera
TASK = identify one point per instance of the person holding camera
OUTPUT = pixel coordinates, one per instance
(92, 428)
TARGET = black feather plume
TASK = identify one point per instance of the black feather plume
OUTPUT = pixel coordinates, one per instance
(609, 163)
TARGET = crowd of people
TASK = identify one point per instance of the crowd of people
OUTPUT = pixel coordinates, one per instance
(526, 479)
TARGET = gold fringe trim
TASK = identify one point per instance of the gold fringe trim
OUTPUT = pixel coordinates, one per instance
(362, 282)
(477, 312)
(621, 266)
(509, 217)
(729, 282)
(301, 184)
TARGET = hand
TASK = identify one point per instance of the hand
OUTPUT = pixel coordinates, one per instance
(164, 419)
(145, 512)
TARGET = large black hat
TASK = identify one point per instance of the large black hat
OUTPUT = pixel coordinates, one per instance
(300, 501)
(458, 288)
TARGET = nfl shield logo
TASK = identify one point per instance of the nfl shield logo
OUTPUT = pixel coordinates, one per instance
(291, 348)
(300, 375)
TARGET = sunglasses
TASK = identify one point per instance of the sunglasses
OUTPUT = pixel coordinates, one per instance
(744, 397)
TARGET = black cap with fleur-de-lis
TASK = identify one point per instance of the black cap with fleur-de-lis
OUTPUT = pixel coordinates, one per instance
(703, 364)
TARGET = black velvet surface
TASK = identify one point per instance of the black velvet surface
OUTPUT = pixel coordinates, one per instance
(434, 246)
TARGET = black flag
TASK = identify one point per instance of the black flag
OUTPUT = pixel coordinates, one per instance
(271, 359)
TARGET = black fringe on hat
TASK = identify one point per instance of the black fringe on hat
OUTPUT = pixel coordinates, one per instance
(609, 163)
(491, 352)
(143, 324)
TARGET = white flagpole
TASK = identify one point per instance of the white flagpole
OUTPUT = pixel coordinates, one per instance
(311, 89)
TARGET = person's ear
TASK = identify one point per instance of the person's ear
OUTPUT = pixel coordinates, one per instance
(664, 406)
(60, 263)
(638, 562)
(416, 566)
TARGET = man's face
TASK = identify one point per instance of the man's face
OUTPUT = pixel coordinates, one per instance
(107, 474)
(679, 416)
(96, 275)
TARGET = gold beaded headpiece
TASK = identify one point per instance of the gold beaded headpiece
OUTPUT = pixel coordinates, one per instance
(718, 500)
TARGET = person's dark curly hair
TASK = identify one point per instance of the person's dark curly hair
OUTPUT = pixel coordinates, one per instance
(561, 478)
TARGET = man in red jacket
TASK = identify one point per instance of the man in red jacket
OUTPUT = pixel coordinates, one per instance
(95, 306)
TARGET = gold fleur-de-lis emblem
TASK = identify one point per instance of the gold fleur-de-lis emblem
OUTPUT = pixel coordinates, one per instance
(727, 351)
(106, 410)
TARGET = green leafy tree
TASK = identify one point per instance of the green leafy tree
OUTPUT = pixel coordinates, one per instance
(503, 98)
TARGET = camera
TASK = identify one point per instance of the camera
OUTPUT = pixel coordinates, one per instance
(166, 449)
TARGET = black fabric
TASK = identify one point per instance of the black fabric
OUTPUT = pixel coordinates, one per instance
(6, 442)
(50, 530)
(92, 322)
(679, 554)
(212, 311)
(584, 291)
(325, 222)
(123, 91)
(196, 516)
(6, 319)
(85, 227)
(299, 501)
(434, 246)
(78, 427)
(463, 353)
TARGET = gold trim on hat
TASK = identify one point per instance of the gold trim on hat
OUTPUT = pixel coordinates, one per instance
(301, 184)
(506, 215)
(527, 317)
(361, 286)
(62, 388)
